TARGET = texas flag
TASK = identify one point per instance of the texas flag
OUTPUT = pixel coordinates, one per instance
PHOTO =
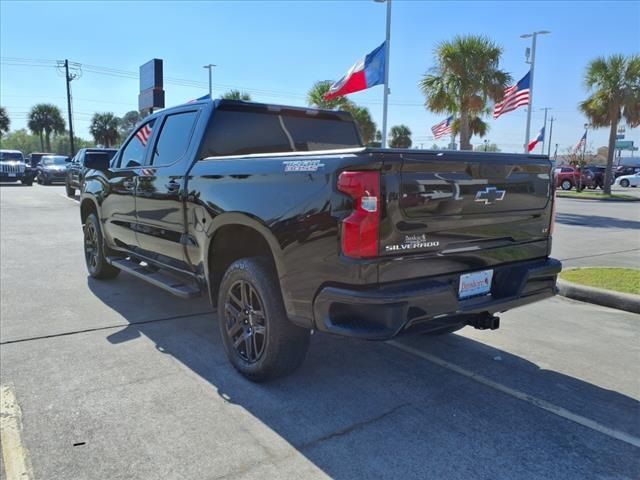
(366, 73)
(539, 138)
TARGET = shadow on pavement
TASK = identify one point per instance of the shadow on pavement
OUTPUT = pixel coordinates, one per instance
(367, 410)
(595, 221)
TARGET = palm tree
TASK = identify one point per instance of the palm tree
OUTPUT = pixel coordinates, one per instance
(128, 122)
(400, 137)
(237, 95)
(466, 77)
(44, 119)
(615, 86)
(362, 116)
(477, 126)
(363, 119)
(104, 128)
(315, 97)
(4, 121)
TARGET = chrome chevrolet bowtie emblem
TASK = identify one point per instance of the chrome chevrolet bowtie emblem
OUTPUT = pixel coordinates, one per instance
(490, 195)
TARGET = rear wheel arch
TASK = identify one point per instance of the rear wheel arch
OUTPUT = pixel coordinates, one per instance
(236, 237)
(88, 206)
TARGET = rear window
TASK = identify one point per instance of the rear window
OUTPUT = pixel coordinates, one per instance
(109, 153)
(238, 132)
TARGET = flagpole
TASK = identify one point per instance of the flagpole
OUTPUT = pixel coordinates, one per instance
(544, 132)
(386, 76)
(532, 63)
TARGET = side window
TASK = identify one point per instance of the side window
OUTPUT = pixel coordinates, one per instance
(174, 138)
(133, 154)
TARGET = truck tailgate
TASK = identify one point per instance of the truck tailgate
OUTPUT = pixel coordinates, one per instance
(460, 211)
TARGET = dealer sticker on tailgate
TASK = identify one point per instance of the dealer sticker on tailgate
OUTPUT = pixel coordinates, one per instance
(474, 284)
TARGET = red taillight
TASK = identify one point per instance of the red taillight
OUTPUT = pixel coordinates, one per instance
(360, 230)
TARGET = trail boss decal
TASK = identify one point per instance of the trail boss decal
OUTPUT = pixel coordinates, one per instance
(302, 165)
(412, 242)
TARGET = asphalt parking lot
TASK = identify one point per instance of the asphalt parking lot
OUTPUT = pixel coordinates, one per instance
(118, 380)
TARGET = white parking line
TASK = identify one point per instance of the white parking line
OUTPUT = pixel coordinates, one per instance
(536, 402)
(69, 198)
(17, 465)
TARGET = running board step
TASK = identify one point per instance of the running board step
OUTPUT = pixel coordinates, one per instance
(158, 278)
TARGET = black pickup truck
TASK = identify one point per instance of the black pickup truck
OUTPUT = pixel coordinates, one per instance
(290, 225)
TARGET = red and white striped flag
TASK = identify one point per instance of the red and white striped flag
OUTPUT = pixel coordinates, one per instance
(143, 134)
(514, 97)
(443, 128)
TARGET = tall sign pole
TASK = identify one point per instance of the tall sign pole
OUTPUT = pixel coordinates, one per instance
(533, 36)
(386, 75)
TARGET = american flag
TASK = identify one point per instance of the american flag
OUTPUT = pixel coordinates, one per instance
(443, 128)
(515, 96)
(583, 141)
(143, 134)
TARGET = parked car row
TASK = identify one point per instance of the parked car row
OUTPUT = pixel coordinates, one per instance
(47, 168)
(592, 176)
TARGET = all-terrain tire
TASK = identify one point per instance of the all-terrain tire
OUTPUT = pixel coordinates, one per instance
(260, 341)
(94, 250)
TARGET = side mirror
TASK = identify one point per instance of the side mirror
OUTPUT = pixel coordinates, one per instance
(97, 161)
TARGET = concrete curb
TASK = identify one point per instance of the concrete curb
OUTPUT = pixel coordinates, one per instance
(607, 298)
(614, 200)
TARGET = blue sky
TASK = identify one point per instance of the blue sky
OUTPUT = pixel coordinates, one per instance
(276, 50)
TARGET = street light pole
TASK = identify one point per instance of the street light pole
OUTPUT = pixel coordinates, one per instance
(533, 36)
(386, 74)
(210, 68)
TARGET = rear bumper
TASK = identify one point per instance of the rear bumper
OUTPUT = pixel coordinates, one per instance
(383, 311)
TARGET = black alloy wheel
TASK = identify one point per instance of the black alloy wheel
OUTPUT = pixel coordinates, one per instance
(245, 321)
(94, 256)
(259, 339)
(91, 247)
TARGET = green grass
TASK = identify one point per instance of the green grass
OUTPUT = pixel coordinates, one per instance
(626, 280)
(594, 195)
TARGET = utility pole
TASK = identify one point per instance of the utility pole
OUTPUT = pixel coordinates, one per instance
(69, 78)
(546, 109)
(584, 146)
(534, 36)
(210, 68)
(387, 48)
(550, 134)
